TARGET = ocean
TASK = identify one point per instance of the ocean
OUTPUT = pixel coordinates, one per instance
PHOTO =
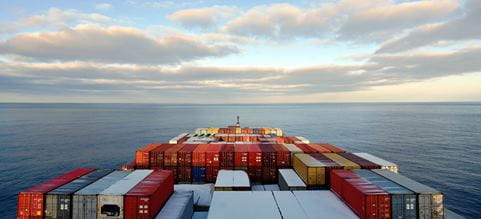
(438, 144)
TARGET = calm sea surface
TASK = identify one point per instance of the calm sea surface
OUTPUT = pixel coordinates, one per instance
(435, 143)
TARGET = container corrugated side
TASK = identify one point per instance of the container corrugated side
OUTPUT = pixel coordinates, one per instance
(311, 171)
(85, 200)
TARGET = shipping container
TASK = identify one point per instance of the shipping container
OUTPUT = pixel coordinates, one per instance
(283, 156)
(179, 206)
(170, 158)
(322, 204)
(243, 204)
(303, 140)
(111, 200)
(85, 200)
(293, 149)
(142, 156)
(289, 206)
(198, 174)
(430, 202)
(311, 171)
(226, 157)
(58, 202)
(332, 148)
(347, 164)
(184, 163)
(289, 180)
(306, 148)
(386, 165)
(31, 201)
(365, 164)
(319, 148)
(149, 196)
(328, 166)
(403, 201)
(157, 156)
(212, 164)
(269, 164)
(232, 180)
(364, 198)
(175, 140)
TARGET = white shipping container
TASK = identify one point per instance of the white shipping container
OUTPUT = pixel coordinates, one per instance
(176, 139)
(289, 180)
(289, 206)
(323, 204)
(111, 200)
(386, 165)
(243, 204)
(303, 140)
(179, 206)
(234, 179)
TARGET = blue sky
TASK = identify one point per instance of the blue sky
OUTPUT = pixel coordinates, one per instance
(240, 51)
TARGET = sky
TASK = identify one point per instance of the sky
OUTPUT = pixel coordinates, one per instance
(199, 51)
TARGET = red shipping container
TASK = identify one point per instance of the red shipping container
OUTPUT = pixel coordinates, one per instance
(157, 156)
(306, 148)
(328, 164)
(365, 164)
(366, 199)
(149, 196)
(332, 148)
(283, 156)
(198, 155)
(170, 155)
(142, 156)
(255, 155)
(292, 140)
(31, 201)
(212, 163)
(128, 166)
(227, 156)
(241, 155)
(184, 163)
(269, 155)
(319, 148)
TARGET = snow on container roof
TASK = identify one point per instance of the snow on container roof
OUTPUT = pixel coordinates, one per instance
(291, 178)
(123, 186)
(323, 204)
(101, 184)
(288, 205)
(232, 178)
(406, 182)
(243, 204)
(375, 159)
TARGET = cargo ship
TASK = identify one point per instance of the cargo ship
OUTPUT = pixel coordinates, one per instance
(236, 172)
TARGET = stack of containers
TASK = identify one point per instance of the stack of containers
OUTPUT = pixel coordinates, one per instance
(58, 202)
(226, 157)
(283, 156)
(306, 148)
(311, 171)
(142, 156)
(430, 202)
(328, 164)
(85, 200)
(319, 148)
(386, 165)
(347, 164)
(157, 156)
(332, 148)
(365, 199)
(31, 201)
(184, 163)
(212, 164)
(170, 158)
(269, 164)
(241, 157)
(365, 164)
(254, 167)
(293, 149)
(149, 196)
(198, 163)
(403, 201)
(111, 200)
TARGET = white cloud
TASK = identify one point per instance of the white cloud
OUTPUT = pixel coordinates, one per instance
(110, 45)
(203, 17)
(103, 6)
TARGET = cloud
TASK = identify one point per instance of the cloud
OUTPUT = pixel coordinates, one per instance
(103, 6)
(110, 45)
(202, 17)
(54, 17)
(375, 22)
(464, 28)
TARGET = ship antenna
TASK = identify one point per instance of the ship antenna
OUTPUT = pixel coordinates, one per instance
(238, 124)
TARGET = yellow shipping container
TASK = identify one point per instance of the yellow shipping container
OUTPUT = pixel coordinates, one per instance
(238, 130)
(267, 130)
(311, 171)
(278, 132)
(347, 164)
(212, 130)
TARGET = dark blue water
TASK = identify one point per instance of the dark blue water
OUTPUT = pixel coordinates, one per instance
(437, 143)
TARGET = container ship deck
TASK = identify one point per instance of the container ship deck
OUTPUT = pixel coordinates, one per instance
(237, 172)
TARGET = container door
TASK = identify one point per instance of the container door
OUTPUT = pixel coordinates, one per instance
(63, 212)
(437, 206)
(424, 204)
(51, 206)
